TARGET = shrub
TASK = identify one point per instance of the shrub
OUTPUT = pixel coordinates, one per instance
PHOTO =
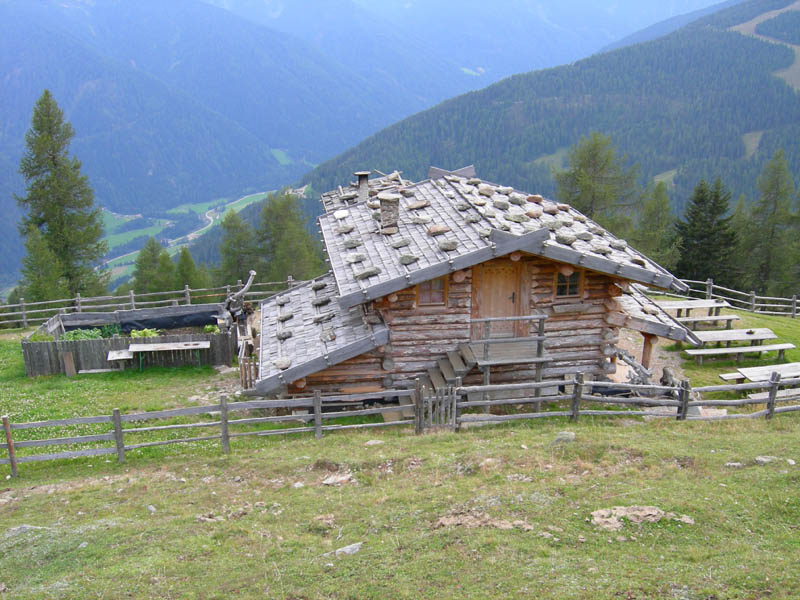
(81, 334)
(144, 333)
(108, 331)
(211, 329)
(41, 337)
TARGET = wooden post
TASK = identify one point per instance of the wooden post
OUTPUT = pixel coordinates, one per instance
(418, 390)
(709, 288)
(577, 394)
(317, 414)
(187, 293)
(794, 306)
(223, 425)
(774, 381)
(752, 301)
(133, 300)
(540, 365)
(24, 314)
(12, 455)
(78, 306)
(647, 349)
(685, 394)
(289, 282)
(456, 410)
(117, 420)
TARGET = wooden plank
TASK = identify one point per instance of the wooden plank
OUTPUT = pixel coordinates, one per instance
(223, 424)
(513, 361)
(784, 395)
(61, 422)
(119, 355)
(60, 455)
(786, 370)
(737, 350)
(446, 368)
(95, 371)
(167, 346)
(691, 304)
(457, 363)
(12, 455)
(164, 414)
(707, 319)
(69, 364)
(82, 439)
(736, 335)
(168, 442)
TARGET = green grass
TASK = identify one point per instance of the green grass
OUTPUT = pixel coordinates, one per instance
(117, 239)
(556, 160)
(111, 221)
(668, 177)
(751, 142)
(101, 540)
(198, 207)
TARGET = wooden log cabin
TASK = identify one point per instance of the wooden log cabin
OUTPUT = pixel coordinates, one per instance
(457, 277)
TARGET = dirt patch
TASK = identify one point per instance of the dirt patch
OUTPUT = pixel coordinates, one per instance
(475, 519)
(632, 342)
(613, 519)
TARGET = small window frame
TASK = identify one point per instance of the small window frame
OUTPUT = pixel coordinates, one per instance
(560, 280)
(429, 284)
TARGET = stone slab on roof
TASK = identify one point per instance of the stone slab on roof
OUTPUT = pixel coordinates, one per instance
(304, 330)
(455, 222)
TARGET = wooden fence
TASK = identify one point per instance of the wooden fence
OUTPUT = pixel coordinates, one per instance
(446, 408)
(749, 301)
(25, 314)
(313, 421)
(441, 409)
(47, 358)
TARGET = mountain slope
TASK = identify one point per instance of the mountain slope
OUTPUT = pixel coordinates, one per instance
(681, 106)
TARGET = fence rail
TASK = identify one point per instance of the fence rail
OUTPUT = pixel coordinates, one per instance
(748, 301)
(24, 314)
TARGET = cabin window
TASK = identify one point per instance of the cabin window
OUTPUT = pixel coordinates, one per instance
(568, 285)
(432, 293)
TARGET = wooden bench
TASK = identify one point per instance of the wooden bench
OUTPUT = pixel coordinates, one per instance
(785, 370)
(737, 377)
(782, 394)
(738, 351)
(693, 321)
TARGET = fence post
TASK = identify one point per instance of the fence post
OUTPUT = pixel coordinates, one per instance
(709, 288)
(187, 293)
(289, 282)
(133, 300)
(685, 393)
(752, 301)
(456, 411)
(577, 395)
(774, 381)
(317, 414)
(24, 314)
(12, 455)
(418, 407)
(78, 307)
(794, 306)
(117, 420)
(223, 425)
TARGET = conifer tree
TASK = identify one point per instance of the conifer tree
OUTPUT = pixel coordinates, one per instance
(42, 273)
(772, 230)
(60, 203)
(707, 241)
(187, 272)
(597, 184)
(153, 270)
(237, 250)
(285, 242)
(655, 234)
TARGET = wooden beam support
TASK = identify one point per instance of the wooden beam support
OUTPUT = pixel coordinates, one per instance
(647, 349)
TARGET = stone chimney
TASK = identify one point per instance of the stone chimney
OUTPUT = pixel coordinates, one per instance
(363, 185)
(390, 212)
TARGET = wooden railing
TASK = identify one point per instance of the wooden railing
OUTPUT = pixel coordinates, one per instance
(749, 301)
(313, 419)
(24, 314)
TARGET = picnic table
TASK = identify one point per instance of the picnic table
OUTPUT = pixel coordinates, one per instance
(141, 349)
(713, 306)
(753, 336)
(786, 371)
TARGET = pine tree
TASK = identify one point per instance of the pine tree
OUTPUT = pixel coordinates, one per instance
(772, 230)
(707, 241)
(596, 183)
(42, 274)
(654, 235)
(60, 202)
(285, 242)
(237, 250)
(153, 270)
(187, 272)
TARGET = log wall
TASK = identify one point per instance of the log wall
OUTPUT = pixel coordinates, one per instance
(579, 337)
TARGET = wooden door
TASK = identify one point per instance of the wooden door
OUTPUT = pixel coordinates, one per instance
(496, 293)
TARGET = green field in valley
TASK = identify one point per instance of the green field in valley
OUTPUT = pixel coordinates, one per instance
(500, 511)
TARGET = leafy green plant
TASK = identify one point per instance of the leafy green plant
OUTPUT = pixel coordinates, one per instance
(211, 329)
(108, 331)
(41, 337)
(144, 333)
(81, 334)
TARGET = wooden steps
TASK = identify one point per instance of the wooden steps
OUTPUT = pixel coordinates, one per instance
(513, 361)
(447, 370)
(457, 363)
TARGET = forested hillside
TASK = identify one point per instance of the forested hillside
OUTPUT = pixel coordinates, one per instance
(700, 102)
